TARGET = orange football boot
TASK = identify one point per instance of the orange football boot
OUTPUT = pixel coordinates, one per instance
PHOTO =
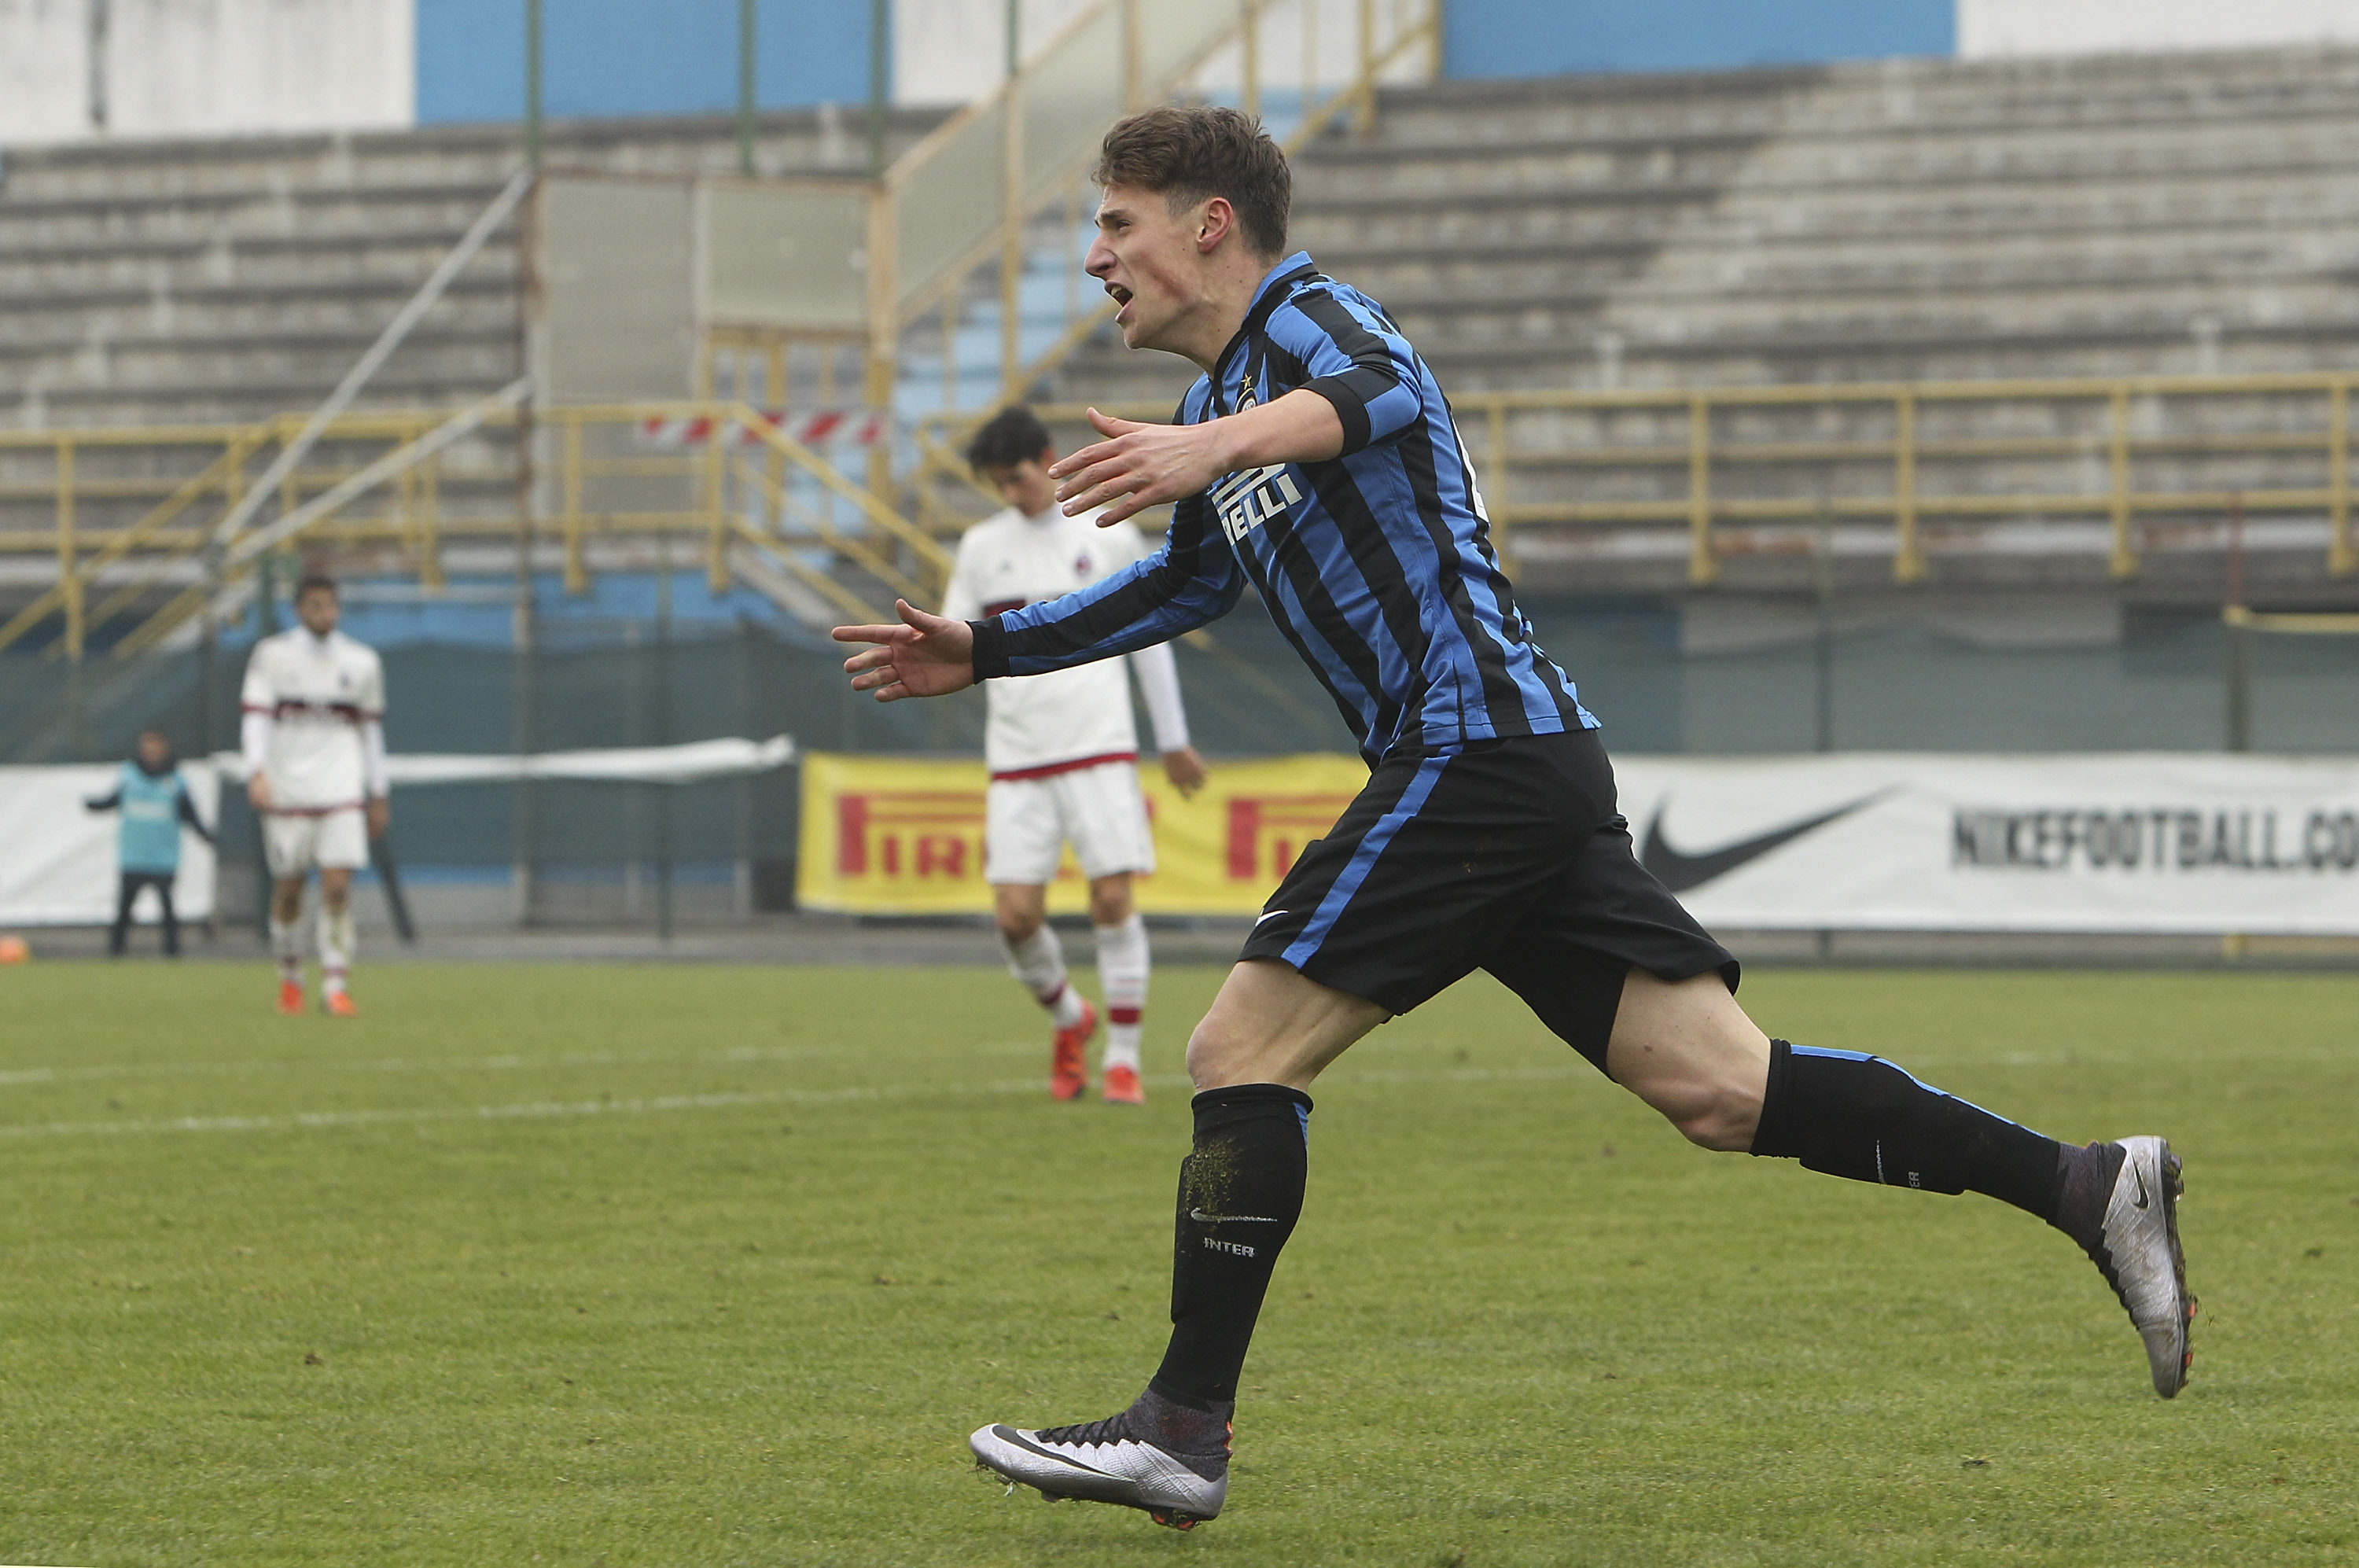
(1066, 1079)
(290, 998)
(338, 1005)
(1122, 1087)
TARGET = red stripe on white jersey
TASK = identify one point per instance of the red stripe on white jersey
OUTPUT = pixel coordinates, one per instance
(1052, 769)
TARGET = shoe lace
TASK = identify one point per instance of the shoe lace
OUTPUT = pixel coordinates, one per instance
(1115, 1428)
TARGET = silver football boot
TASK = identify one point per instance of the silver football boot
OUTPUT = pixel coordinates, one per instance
(1108, 1461)
(2140, 1255)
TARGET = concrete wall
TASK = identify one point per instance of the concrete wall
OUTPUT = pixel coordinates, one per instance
(949, 51)
(1993, 27)
(200, 68)
(44, 70)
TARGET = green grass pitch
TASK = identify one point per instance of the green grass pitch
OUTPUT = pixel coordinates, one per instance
(693, 1265)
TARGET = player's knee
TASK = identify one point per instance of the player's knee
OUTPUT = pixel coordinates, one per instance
(1219, 1055)
(1019, 925)
(1109, 905)
(1205, 1053)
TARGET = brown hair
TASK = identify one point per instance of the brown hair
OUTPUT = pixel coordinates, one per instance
(1013, 435)
(1188, 153)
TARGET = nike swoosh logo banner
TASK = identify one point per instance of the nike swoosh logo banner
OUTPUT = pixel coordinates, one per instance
(1680, 871)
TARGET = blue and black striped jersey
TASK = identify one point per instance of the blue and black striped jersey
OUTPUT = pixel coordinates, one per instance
(1376, 564)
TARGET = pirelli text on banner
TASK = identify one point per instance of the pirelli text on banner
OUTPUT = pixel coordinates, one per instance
(905, 836)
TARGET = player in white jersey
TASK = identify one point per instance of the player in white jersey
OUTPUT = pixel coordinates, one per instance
(1062, 751)
(314, 742)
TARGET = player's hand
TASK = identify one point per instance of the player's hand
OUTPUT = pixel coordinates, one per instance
(1138, 466)
(257, 793)
(925, 656)
(1186, 771)
(379, 811)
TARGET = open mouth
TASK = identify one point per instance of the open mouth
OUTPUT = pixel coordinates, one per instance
(1120, 296)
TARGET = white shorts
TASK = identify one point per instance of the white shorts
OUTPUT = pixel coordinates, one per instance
(1028, 821)
(296, 841)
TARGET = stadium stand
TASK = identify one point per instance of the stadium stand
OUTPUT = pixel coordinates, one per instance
(184, 282)
(1894, 220)
(1909, 219)
(1898, 220)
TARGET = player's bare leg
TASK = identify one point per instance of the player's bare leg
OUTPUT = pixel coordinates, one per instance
(287, 940)
(1037, 958)
(1122, 980)
(1688, 1050)
(337, 940)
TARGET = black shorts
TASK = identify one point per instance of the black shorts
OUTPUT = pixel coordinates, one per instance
(1508, 856)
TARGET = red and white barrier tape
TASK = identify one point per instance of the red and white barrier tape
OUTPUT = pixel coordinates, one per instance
(835, 426)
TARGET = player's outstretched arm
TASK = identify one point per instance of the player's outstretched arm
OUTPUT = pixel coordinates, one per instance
(1138, 466)
(925, 656)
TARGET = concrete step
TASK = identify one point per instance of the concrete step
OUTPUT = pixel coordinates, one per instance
(1961, 220)
(827, 141)
(1445, 324)
(2320, 143)
(1560, 117)
(2090, 91)
(229, 392)
(1690, 278)
(29, 279)
(1965, 206)
(256, 312)
(350, 215)
(1769, 359)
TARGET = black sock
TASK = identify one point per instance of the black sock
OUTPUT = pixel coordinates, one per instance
(1240, 1194)
(1860, 1117)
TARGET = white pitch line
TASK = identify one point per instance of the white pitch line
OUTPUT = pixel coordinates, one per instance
(537, 1110)
(527, 1111)
(504, 1064)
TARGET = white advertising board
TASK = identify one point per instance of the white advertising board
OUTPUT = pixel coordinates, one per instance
(2163, 842)
(57, 858)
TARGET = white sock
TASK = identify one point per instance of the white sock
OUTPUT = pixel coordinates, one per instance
(1122, 973)
(337, 940)
(287, 946)
(1039, 962)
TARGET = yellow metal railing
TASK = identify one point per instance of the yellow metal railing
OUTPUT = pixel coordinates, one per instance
(743, 483)
(1950, 456)
(1979, 434)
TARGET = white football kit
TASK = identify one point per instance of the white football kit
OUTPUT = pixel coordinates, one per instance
(313, 726)
(1062, 748)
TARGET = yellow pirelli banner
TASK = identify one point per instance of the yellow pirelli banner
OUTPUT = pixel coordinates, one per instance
(889, 836)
